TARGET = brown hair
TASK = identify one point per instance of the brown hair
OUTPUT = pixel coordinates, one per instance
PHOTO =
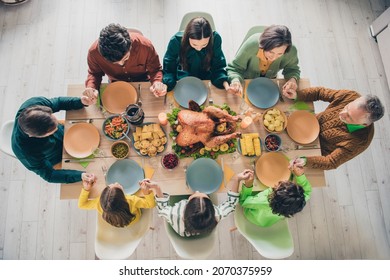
(116, 209)
(37, 120)
(199, 216)
(114, 42)
(197, 29)
(275, 36)
(287, 199)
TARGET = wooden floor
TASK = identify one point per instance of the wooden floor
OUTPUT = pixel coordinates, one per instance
(43, 48)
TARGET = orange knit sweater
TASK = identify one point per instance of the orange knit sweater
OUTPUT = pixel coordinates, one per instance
(338, 145)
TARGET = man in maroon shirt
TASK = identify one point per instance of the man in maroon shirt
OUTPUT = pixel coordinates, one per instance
(124, 56)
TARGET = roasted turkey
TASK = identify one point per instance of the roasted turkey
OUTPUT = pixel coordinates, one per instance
(201, 127)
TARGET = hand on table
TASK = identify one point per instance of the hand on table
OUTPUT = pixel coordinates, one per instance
(289, 89)
(236, 88)
(89, 96)
(158, 89)
(88, 179)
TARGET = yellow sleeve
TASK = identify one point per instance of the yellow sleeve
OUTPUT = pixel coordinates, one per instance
(137, 202)
(85, 203)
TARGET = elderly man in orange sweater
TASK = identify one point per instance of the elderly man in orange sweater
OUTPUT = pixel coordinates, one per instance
(346, 125)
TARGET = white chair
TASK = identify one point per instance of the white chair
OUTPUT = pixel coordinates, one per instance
(134, 30)
(112, 243)
(194, 247)
(274, 242)
(5, 138)
(187, 17)
(253, 30)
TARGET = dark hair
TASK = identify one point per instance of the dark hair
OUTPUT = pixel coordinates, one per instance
(287, 199)
(114, 42)
(197, 29)
(37, 120)
(199, 216)
(374, 108)
(116, 209)
(275, 36)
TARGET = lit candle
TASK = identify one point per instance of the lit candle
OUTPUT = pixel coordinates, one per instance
(162, 118)
(246, 122)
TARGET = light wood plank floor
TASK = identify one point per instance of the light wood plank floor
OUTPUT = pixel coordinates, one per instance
(43, 48)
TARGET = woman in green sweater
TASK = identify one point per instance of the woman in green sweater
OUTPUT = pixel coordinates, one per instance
(196, 52)
(274, 204)
(264, 57)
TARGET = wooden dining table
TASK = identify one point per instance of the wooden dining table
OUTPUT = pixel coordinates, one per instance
(174, 181)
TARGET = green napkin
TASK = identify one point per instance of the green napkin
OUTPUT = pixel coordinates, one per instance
(299, 105)
(102, 89)
(86, 163)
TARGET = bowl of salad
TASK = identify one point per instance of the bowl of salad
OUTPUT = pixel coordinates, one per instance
(116, 127)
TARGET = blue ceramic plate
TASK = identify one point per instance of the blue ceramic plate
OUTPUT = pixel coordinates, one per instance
(263, 93)
(190, 88)
(204, 175)
(126, 172)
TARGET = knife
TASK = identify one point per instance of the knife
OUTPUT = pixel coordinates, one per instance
(307, 147)
(79, 160)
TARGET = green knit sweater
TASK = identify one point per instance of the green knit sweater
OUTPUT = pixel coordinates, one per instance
(41, 154)
(338, 145)
(246, 63)
(173, 71)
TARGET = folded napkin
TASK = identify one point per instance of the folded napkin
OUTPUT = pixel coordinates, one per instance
(86, 163)
(149, 171)
(228, 173)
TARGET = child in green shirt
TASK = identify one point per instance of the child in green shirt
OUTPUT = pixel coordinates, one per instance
(274, 204)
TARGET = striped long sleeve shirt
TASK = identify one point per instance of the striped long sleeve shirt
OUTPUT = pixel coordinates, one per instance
(174, 215)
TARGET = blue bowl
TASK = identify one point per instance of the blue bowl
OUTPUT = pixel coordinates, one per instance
(272, 142)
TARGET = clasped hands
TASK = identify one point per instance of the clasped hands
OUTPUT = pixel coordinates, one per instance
(158, 89)
(296, 166)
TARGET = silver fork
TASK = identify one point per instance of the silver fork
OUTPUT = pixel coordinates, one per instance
(139, 95)
(104, 169)
(185, 175)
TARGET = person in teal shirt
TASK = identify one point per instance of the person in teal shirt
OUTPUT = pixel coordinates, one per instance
(263, 55)
(274, 204)
(195, 52)
(37, 137)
